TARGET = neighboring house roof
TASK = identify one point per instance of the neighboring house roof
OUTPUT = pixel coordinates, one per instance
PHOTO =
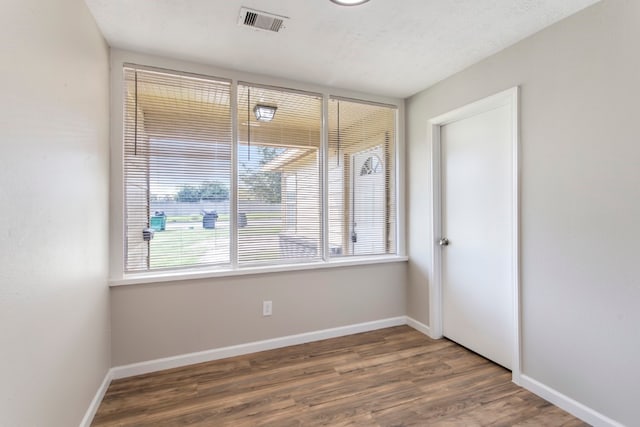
(290, 155)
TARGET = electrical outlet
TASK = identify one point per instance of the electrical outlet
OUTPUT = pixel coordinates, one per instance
(267, 308)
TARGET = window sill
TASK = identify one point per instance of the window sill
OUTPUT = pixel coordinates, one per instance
(174, 276)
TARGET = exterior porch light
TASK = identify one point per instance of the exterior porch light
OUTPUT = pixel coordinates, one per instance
(264, 113)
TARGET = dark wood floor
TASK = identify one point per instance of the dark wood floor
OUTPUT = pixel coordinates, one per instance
(389, 377)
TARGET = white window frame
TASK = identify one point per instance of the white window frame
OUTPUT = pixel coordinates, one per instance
(118, 277)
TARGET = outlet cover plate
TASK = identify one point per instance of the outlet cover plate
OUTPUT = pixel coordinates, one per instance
(267, 308)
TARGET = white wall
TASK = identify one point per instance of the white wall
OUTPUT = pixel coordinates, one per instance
(54, 317)
(580, 83)
(158, 320)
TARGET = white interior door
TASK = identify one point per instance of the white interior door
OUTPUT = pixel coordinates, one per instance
(368, 198)
(477, 220)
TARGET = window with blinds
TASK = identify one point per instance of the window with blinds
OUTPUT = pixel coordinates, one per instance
(361, 178)
(194, 196)
(279, 192)
(177, 170)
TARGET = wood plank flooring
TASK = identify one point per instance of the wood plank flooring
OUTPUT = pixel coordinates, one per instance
(390, 377)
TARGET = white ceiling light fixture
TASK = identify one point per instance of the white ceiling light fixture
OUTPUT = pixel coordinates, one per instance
(264, 113)
(349, 2)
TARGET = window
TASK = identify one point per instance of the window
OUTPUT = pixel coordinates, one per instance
(269, 152)
(177, 170)
(194, 197)
(361, 178)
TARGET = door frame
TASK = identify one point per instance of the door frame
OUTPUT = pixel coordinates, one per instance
(509, 97)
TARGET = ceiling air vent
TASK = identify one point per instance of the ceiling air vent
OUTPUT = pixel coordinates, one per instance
(261, 20)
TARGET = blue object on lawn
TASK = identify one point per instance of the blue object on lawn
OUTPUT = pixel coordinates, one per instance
(209, 219)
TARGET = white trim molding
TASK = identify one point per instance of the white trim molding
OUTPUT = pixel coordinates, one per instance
(97, 400)
(193, 274)
(252, 347)
(509, 97)
(562, 401)
(420, 327)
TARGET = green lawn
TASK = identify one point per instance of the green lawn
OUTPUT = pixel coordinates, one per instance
(264, 215)
(187, 246)
(262, 256)
(184, 247)
(185, 218)
(224, 217)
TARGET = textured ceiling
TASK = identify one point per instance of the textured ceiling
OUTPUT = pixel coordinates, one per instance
(384, 47)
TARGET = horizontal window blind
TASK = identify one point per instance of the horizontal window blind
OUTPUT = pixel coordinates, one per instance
(177, 170)
(181, 176)
(279, 197)
(361, 175)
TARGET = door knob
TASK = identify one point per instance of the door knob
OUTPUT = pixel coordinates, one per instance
(443, 242)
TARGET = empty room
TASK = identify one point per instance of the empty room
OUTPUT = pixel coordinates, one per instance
(319, 213)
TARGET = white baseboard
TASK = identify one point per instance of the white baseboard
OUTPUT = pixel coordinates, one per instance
(253, 347)
(97, 399)
(419, 326)
(573, 407)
